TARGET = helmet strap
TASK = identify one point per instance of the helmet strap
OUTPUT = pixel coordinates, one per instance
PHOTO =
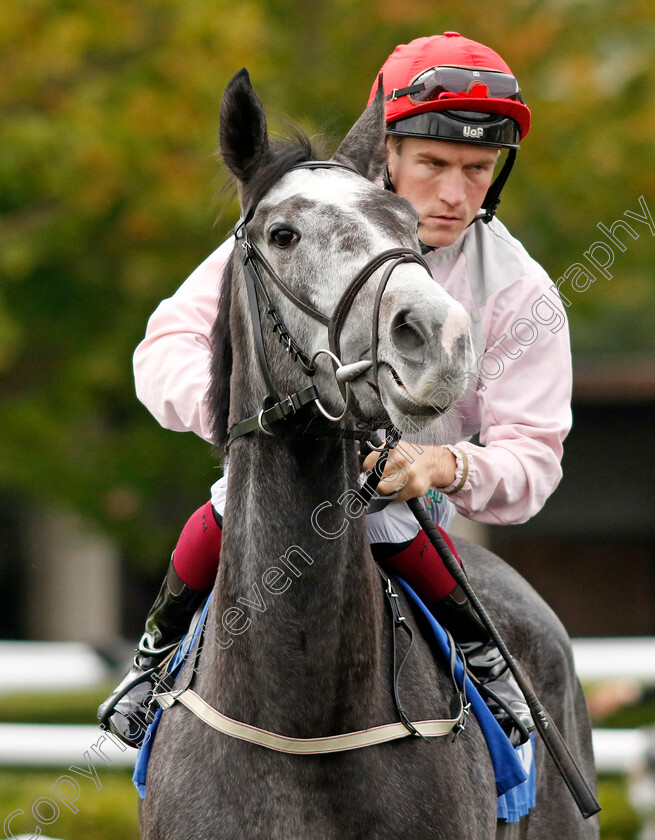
(386, 180)
(492, 198)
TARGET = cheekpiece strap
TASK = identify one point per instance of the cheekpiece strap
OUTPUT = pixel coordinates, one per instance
(284, 408)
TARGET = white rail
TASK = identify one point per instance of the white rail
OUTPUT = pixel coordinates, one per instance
(620, 750)
(49, 745)
(630, 658)
(49, 666)
(59, 745)
(40, 666)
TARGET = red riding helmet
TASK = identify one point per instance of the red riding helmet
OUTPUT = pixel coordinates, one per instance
(447, 87)
(452, 74)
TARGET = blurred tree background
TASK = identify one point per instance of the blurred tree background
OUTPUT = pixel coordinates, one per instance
(109, 192)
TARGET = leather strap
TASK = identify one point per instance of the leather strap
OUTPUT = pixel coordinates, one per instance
(375, 327)
(458, 699)
(492, 198)
(307, 308)
(306, 746)
(325, 164)
(275, 408)
(398, 621)
(347, 299)
(185, 695)
(397, 92)
(289, 405)
(251, 278)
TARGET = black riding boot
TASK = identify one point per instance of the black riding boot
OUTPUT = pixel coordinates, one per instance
(493, 678)
(126, 712)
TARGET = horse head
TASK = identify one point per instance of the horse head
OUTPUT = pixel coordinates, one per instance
(337, 263)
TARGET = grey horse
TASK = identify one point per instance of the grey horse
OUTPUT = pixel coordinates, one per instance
(298, 637)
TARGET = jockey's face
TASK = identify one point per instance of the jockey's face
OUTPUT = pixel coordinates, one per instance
(446, 183)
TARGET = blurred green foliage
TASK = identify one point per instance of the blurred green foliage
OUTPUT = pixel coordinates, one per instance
(54, 706)
(617, 820)
(109, 189)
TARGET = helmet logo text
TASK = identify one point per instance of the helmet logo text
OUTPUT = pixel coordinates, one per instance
(469, 131)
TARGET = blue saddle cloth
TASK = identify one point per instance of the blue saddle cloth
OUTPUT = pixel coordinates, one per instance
(514, 768)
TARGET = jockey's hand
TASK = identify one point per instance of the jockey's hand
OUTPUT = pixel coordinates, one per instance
(433, 467)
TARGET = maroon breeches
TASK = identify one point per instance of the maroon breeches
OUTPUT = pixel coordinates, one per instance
(198, 551)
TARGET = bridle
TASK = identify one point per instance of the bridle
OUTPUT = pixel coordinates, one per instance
(275, 408)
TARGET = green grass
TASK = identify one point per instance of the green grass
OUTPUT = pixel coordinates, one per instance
(106, 814)
(618, 820)
(630, 717)
(111, 813)
(53, 707)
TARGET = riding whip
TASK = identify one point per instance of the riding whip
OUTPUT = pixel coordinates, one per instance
(550, 734)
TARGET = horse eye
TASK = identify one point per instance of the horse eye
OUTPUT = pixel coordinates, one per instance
(283, 237)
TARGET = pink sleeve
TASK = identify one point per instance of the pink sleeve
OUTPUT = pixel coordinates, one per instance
(172, 363)
(524, 406)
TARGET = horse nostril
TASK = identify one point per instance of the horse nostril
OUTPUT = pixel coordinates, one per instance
(407, 336)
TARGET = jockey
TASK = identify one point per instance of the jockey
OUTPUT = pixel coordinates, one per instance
(453, 107)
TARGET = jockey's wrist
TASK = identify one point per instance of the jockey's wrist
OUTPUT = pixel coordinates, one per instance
(444, 467)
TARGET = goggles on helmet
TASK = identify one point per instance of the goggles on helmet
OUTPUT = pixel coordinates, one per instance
(445, 82)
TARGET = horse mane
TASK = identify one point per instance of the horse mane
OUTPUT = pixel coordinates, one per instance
(278, 160)
(280, 157)
(218, 394)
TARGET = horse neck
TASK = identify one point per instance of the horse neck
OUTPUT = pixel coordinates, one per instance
(305, 649)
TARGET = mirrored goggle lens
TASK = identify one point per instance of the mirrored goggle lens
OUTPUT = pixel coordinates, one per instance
(438, 80)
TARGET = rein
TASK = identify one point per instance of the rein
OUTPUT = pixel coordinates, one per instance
(275, 408)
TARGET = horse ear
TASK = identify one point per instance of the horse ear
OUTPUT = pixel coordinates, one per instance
(243, 136)
(364, 145)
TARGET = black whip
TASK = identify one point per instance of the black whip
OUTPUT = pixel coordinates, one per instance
(550, 734)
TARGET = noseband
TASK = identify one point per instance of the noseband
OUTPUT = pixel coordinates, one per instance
(253, 261)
